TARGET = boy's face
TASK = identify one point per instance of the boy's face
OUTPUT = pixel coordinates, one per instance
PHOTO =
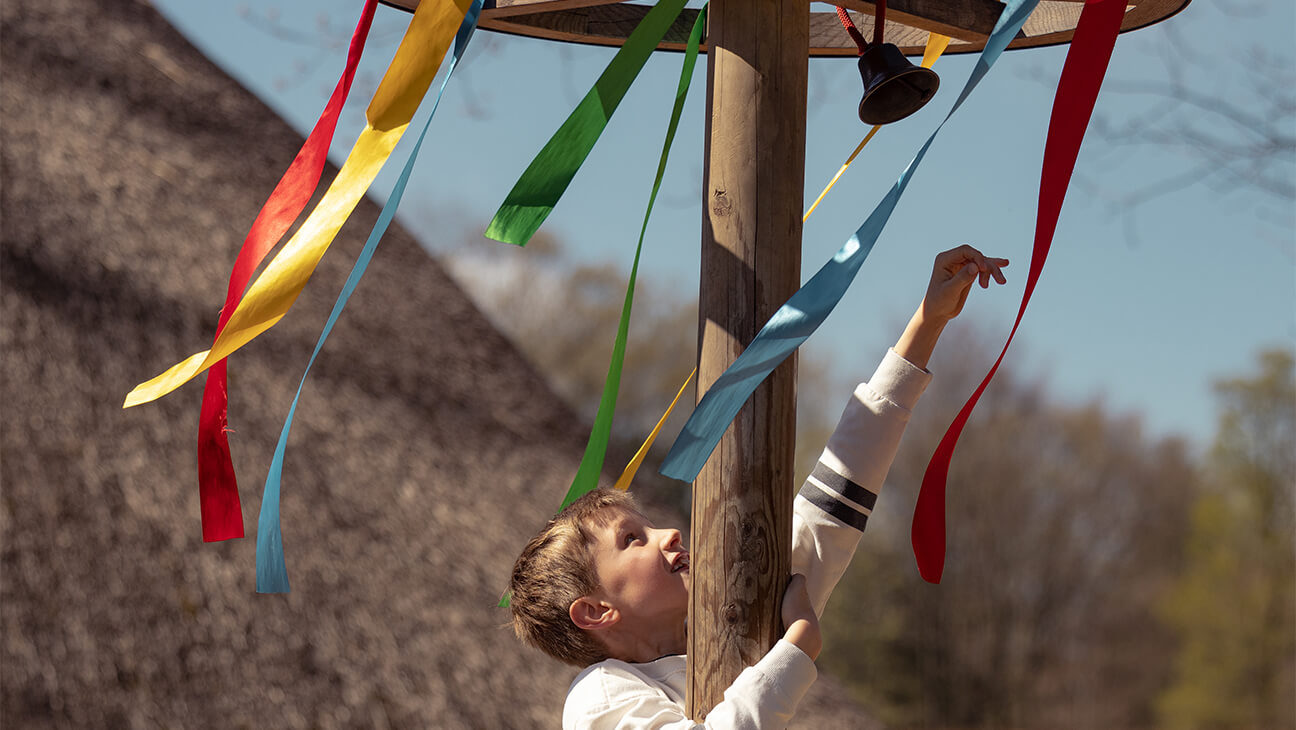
(642, 570)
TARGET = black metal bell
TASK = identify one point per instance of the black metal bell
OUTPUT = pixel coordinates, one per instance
(894, 88)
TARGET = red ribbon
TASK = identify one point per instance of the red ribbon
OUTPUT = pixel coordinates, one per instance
(1082, 76)
(222, 515)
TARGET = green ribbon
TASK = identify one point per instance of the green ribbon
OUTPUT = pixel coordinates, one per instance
(587, 475)
(536, 193)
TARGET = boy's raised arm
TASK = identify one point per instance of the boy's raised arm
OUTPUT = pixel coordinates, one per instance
(951, 280)
(837, 499)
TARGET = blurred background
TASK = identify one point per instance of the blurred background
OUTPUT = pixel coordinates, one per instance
(1122, 547)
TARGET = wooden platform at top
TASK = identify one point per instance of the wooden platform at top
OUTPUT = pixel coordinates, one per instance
(908, 22)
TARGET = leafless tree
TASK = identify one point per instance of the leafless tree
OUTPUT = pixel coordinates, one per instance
(329, 35)
(1226, 121)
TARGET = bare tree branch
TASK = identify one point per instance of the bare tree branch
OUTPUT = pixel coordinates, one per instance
(1219, 120)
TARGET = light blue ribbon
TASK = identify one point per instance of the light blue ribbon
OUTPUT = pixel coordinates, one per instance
(271, 573)
(801, 315)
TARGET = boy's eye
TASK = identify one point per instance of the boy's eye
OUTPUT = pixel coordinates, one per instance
(630, 537)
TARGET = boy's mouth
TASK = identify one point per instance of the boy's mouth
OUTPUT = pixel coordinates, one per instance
(680, 563)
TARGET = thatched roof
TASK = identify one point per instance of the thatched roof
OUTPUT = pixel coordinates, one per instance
(426, 449)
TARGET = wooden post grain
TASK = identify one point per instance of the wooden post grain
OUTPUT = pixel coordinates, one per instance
(751, 253)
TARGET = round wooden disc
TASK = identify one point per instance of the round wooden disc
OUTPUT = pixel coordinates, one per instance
(908, 22)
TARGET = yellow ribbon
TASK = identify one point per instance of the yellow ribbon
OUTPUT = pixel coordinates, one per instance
(836, 177)
(628, 475)
(936, 45)
(421, 51)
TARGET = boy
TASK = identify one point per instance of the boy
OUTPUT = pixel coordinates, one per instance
(602, 588)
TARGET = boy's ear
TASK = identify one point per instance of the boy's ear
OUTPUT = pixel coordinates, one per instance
(590, 614)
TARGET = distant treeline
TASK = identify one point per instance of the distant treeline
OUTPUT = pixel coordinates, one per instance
(1096, 577)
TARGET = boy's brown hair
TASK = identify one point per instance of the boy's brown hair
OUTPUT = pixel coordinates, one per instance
(555, 569)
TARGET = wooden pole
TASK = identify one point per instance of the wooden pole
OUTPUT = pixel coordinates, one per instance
(751, 259)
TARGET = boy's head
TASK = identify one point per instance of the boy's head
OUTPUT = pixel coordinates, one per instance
(599, 581)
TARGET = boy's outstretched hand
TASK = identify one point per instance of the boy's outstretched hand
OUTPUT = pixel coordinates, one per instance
(951, 280)
(799, 619)
(952, 277)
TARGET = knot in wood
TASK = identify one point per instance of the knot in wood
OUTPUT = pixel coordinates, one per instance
(732, 614)
(754, 543)
(721, 205)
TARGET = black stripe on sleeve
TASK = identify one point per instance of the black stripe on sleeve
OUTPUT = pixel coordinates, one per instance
(835, 508)
(843, 486)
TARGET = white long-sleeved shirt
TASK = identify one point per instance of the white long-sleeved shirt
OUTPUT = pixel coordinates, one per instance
(828, 518)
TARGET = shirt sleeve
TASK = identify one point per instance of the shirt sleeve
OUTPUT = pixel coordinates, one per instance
(611, 696)
(837, 498)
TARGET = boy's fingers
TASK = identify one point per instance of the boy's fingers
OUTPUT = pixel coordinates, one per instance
(956, 256)
(995, 270)
(983, 267)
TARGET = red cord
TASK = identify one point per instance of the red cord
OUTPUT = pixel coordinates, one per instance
(850, 28)
(879, 20)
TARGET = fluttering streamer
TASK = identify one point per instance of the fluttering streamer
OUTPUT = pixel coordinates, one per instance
(587, 474)
(402, 88)
(222, 516)
(271, 570)
(802, 314)
(1073, 103)
(545, 180)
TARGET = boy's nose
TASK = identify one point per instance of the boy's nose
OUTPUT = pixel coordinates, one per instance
(671, 539)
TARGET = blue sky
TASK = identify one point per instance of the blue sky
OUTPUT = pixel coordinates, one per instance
(1142, 311)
